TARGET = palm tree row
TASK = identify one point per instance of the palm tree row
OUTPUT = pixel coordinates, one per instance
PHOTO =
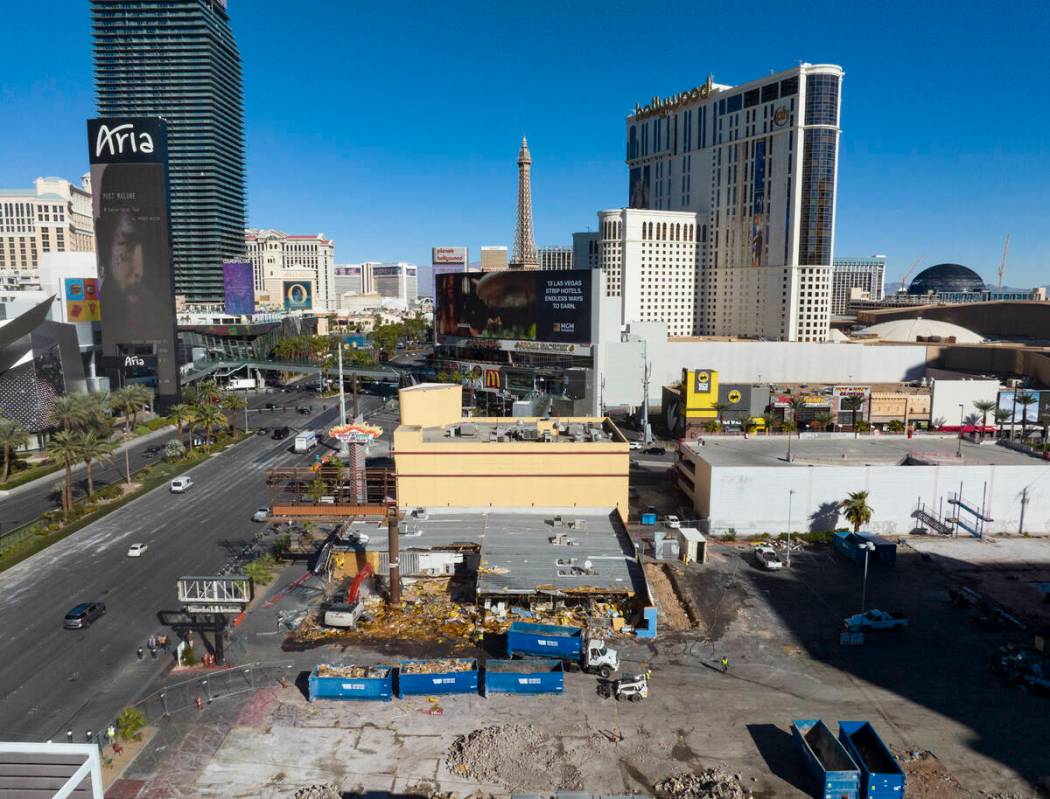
(202, 408)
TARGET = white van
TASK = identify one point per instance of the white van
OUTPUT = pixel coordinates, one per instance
(180, 485)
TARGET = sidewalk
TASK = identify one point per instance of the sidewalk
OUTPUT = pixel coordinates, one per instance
(14, 492)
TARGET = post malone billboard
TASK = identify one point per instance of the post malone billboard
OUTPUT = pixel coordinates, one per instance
(129, 179)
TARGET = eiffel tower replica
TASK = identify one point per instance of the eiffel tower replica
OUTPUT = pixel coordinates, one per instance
(524, 256)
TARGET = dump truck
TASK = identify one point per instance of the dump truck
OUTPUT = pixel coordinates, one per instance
(568, 644)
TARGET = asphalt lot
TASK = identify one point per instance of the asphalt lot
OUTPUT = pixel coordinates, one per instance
(53, 679)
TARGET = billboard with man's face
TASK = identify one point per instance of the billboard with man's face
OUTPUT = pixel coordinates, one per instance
(129, 179)
(239, 286)
(551, 306)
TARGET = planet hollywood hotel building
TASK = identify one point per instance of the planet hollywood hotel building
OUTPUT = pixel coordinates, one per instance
(757, 164)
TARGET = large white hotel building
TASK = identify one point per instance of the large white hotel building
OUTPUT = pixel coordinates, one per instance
(730, 229)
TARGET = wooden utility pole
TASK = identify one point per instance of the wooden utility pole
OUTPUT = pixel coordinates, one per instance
(394, 555)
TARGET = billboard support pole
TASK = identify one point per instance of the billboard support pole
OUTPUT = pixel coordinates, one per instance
(344, 446)
(647, 431)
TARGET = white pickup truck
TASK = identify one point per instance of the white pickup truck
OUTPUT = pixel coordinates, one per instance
(875, 620)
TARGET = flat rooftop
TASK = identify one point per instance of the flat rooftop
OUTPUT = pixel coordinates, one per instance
(517, 556)
(551, 431)
(849, 451)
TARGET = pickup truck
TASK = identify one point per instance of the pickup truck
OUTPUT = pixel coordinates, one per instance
(875, 620)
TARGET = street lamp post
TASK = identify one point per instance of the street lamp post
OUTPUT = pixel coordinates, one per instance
(868, 548)
(958, 450)
(791, 496)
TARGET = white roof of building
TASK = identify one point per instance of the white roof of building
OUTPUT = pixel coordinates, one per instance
(912, 329)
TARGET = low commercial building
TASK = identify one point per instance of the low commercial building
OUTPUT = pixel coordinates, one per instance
(700, 402)
(750, 487)
(444, 460)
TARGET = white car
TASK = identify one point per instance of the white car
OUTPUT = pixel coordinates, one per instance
(768, 558)
(180, 485)
(634, 445)
(261, 515)
(137, 550)
(673, 522)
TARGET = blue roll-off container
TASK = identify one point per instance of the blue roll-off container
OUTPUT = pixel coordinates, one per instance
(452, 682)
(544, 640)
(884, 554)
(880, 775)
(828, 761)
(648, 518)
(372, 688)
(528, 676)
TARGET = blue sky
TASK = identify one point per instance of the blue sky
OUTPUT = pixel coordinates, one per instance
(394, 127)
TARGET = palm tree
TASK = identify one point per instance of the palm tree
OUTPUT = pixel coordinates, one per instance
(141, 399)
(720, 409)
(93, 450)
(12, 438)
(97, 412)
(822, 419)
(797, 404)
(68, 411)
(984, 407)
(853, 403)
(1002, 416)
(208, 392)
(1024, 400)
(767, 420)
(856, 509)
(123, 401)
(182, 412)
(64, 446)
(234, 403)
(211, 418)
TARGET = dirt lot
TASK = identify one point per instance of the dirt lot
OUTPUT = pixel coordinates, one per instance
(928, 689)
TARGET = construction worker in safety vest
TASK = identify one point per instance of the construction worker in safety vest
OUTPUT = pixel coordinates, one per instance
(725, 664)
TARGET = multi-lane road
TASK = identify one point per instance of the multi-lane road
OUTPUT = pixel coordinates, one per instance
(52, 679)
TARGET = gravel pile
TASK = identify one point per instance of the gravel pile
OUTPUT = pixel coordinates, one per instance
(326, 791)
(711, 783)
(519, 756)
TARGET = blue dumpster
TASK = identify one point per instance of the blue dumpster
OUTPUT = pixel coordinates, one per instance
(529, 676)
(835, 772)
(880, 775)
(351, 682)
(445, 676)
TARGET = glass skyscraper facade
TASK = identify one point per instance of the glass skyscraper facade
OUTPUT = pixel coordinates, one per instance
(177, 59)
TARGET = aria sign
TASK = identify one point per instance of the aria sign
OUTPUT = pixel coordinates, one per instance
(355, 433)
(112, 141)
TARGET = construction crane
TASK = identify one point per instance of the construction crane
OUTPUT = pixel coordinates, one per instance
(902, 287)
(1002, 263)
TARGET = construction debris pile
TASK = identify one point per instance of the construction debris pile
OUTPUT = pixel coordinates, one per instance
(325, 791)
(927, 777)
(711, 783)
(519, 756)
(1023, 667)
(352, 672)
(442, 666)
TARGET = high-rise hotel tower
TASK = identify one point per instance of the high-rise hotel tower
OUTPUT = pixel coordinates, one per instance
(177, 59)
(757, 164)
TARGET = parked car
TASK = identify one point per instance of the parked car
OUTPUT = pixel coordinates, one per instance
(875, 620)
(83, 615)
(634, 445)
(137, 550)
(768, 558)
(261, 515)
(180, 485)
(673, 522)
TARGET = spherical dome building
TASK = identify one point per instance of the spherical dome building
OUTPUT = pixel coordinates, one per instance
(912, 330)
(946, 278)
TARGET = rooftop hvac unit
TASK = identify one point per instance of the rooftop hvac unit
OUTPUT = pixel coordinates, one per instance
(468, 429)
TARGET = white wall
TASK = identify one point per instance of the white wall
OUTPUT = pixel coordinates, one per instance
(949, 394)
(754, 500)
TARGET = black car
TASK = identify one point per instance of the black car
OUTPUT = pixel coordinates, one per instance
(262, 431)
(83, 615)
(271, 406)
(279, 433)
(153, 450)
(305, 410)
(654, 451)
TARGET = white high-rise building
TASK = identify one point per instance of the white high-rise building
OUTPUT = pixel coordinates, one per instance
(866, 274)
(555, 257)
(651, 261)
(757, 164)
(398, 281)
(277, 257)
(585, 250)
(53, 216)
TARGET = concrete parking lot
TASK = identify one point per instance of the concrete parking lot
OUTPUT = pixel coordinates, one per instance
(928, 688)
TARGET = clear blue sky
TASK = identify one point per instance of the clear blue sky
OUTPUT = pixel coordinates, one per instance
(393, 127)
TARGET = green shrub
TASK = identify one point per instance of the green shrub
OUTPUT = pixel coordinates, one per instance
(140, 430)
(260, 570)
(158, 422)
(174, 450)
(189, 657)
(281, 544)
(730, 534)
(129, 722)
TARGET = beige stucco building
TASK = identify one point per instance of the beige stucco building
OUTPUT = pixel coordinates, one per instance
(444, 460)
(53, 216)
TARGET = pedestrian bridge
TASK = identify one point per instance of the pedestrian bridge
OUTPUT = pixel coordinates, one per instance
(228, 368)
